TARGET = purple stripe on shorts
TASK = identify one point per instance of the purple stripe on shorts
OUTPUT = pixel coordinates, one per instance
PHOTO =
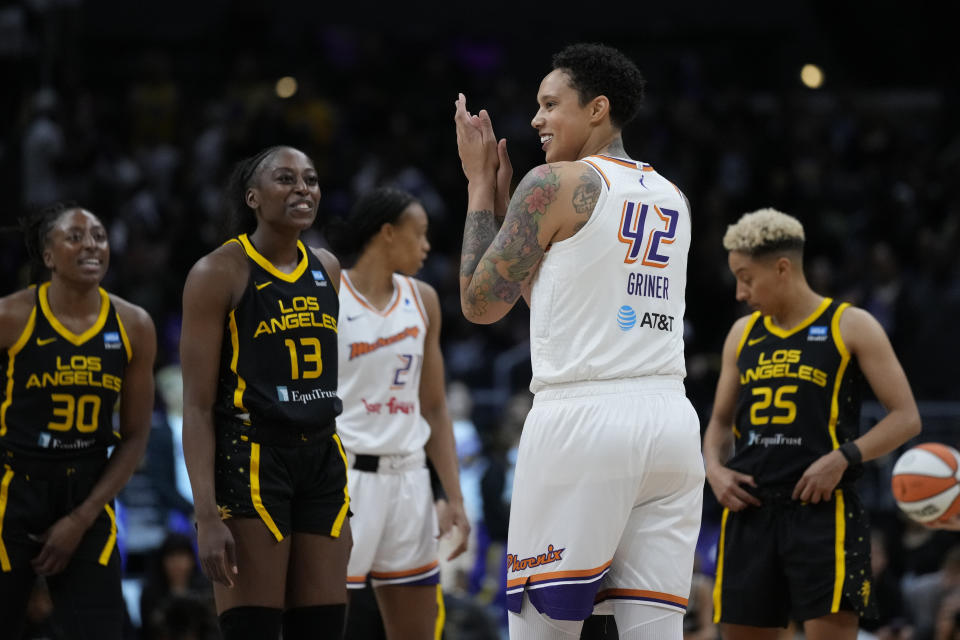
(561, 600)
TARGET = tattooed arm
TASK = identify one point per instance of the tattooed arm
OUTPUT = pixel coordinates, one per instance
(496, 264)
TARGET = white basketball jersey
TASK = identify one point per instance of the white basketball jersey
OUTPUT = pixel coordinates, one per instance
(608, 302)
(381, 355)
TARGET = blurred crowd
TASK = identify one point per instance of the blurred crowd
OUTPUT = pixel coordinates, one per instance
(144, 136)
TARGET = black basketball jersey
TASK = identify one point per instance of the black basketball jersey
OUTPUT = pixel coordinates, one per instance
(278, 363)
(799, 396)
(59, 388)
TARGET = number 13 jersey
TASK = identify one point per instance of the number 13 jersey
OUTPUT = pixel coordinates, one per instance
(278, 361)
(381, 354)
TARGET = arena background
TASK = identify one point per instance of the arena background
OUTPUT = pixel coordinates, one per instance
(138, 110)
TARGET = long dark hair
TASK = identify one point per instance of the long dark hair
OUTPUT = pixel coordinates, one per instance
(348, 236)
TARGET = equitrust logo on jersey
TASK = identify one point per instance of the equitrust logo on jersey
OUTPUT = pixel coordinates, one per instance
(318, 278)
(817, 334)
(283, 394)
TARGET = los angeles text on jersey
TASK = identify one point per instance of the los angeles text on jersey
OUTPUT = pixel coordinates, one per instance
(299, 311)
(648, 286)
(783, 363)
(77, 370)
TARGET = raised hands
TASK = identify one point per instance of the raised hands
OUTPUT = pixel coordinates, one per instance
(485, 161)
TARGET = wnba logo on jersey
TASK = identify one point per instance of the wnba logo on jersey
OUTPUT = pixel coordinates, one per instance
(111, 340)
(633, 232)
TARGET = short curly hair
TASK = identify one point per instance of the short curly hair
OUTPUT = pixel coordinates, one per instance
(596, 69)
(764, 232)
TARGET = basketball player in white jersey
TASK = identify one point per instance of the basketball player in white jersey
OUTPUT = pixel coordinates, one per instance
(394, 412)
(609, 479)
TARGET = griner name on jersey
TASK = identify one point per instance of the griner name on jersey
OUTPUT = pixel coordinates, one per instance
(301, 312)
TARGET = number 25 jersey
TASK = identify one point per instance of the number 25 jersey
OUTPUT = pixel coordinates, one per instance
(799, 397)
(278, 361)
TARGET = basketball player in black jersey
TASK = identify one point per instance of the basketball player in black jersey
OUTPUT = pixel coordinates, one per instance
(794, 540)
(259, 353)
(68, 351)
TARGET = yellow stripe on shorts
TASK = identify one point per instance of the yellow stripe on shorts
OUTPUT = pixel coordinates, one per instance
(255, 492)
(111, 539)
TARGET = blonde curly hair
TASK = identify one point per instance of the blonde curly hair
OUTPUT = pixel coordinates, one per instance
(764, 231)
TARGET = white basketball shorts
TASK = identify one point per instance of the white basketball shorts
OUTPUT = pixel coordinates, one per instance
(607, 497)
(394, 524)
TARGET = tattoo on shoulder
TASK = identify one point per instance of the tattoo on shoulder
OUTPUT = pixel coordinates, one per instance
(587, 193)
(539, 190)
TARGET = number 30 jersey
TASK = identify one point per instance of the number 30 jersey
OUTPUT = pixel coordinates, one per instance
(60, 388)
(800, 393)
(381, 355)
(608, 302)
(278, 361)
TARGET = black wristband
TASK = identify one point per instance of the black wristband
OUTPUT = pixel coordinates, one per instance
(851, 452)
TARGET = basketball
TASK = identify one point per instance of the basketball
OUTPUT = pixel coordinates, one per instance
(926, 482)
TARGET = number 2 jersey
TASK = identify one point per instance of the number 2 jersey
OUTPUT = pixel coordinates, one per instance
(278, 361)
(800, 393)
(381, 355)
(60, 388)
(608, 302)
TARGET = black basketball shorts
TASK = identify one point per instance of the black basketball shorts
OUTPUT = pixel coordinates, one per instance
(789, 560)
(291, 486)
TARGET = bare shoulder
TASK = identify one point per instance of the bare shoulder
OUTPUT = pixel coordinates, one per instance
(735, 335)
(331, 263)
(859, 329)
(225, 269)
(425, 289)
(130, 314)
(14, 312)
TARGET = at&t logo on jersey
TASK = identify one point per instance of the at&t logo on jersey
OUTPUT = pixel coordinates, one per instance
(111, 340)
(817, 334)
(627, 319)
(318, 278)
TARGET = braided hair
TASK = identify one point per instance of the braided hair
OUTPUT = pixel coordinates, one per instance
(348, 236)
(240, 217)
(36, 227)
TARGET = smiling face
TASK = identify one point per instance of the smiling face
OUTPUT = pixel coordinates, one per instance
(562, 122)
(285, 190)
(77, 248)
(410, 245)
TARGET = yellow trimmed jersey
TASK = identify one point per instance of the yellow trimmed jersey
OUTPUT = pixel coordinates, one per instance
(800, 394)
(60, 388)
(278, 362)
